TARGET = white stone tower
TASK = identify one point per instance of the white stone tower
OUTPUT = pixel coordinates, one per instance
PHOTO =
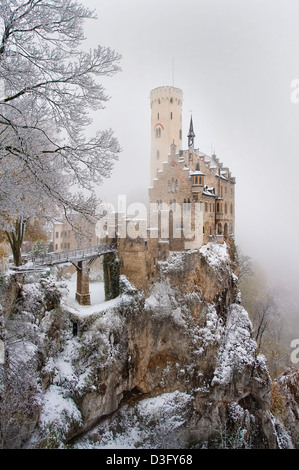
(166, 124)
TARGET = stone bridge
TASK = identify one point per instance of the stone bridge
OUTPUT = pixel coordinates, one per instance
(81, 258)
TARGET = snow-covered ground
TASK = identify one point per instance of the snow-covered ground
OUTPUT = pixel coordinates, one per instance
(97, 297)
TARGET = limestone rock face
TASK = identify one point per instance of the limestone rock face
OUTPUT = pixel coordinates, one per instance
(288, 387)
(187, 342)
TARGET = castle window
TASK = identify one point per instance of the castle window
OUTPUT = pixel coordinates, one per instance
(206, 206)
(176, 186)
(169, 186)
(57, 234)
(196, 179)
(219, 229)
(221, 191)
(225, 208)
(170, 115)
(172, 186)
(231, 208)
(180, 134)
(158, 154)
(190, 157)
(218, 207)
(158, 116)
(171, 100)
(174, 204)
(230, 230)
(159, 101)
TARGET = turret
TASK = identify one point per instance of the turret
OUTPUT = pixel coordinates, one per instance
(166, 125)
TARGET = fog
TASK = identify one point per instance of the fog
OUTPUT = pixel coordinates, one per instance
(235, 62)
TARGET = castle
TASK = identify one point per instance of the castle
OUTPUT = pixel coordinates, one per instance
(191, 197)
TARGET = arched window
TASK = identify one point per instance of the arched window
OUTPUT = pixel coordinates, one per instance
(174, 205)
(176, 186)
(158, 132)
(172, 185)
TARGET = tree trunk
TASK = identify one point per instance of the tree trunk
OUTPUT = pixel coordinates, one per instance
(15, 238)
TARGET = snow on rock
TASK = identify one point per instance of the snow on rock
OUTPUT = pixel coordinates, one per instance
(210, 334)
(215, 254)
(59, 413)
(150, 423)
(237, 349)
(162, 304)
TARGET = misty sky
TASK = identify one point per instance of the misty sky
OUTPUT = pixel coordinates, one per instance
(235, 61)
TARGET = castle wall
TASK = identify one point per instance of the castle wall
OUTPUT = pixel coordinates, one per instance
(166, 124)
(138, 260)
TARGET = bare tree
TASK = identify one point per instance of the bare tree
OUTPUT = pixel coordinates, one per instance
(51, 84)
(244, 265)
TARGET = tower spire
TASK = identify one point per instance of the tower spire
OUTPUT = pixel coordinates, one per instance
(191, 134)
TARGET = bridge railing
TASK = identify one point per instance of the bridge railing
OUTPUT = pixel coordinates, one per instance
(79, 254)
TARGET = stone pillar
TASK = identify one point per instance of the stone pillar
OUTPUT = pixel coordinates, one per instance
(82, 294)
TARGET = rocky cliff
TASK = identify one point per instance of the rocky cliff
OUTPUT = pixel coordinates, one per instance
(172, 367)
